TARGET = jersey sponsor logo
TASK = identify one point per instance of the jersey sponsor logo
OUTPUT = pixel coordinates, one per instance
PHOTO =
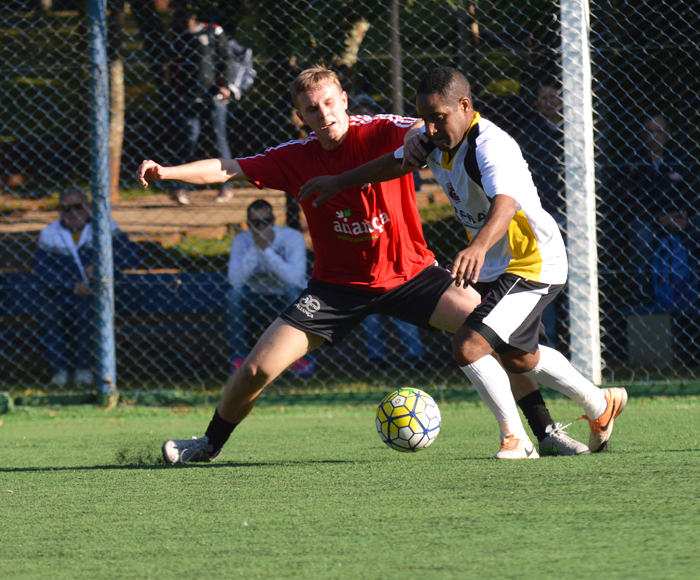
(309, 305)
(360, 230)
(468, 219)
(451, 192)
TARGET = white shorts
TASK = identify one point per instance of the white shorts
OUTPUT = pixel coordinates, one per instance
(510, 314)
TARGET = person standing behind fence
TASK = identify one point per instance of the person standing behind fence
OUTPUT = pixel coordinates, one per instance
(204, 66)
(373, 325)
(267, 270)
(64, 263)
(542, 142)
(656, 191)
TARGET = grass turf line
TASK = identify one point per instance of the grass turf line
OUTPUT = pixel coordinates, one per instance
(311, 492)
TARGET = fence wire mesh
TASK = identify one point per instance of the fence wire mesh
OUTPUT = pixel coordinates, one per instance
(179, 322)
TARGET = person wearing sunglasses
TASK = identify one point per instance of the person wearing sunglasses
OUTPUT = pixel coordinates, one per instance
(267, 271)
(64, 263)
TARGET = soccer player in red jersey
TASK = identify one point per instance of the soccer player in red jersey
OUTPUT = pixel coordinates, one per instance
(370, 253)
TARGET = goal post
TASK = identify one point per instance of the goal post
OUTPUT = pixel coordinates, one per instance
(584, 317)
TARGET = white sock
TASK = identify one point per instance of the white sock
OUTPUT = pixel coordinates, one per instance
(555, 371)
(492, 384)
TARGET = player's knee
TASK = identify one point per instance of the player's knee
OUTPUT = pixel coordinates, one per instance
(519, 363)
(251, 375)
(468, 346)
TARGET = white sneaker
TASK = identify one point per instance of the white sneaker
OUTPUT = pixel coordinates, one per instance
(60, 378)
(514, 448)
(558, 442)
(184, 451)
(83, 377)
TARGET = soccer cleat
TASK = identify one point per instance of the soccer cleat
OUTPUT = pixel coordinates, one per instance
(302, 368)
(601, 428)
(558, 442)
(186, 451)
(514, 448)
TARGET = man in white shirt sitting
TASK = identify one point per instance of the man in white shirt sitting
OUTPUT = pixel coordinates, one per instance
(267, 270)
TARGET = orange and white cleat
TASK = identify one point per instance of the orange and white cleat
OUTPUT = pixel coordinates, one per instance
(601, 428)
(514, 448)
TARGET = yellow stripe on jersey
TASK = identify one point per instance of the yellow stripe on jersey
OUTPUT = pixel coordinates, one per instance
(446, 160)
(527, 260)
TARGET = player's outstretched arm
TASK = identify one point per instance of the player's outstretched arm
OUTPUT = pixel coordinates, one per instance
(384, 168)
(197, 173)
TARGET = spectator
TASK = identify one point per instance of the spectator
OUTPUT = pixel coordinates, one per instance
(542, 143)
(375, 344)
(656, 194)
(205, 66)
(64, 263)
(267, 269)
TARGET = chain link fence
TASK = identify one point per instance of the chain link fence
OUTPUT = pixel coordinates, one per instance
(177, 323)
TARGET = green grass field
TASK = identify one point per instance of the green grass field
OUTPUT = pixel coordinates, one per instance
(310, 492)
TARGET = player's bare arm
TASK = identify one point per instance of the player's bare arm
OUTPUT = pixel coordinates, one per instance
(197, 173)
(468, 263)
(384, 168)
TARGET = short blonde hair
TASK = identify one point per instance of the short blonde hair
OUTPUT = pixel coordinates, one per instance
(313, 78)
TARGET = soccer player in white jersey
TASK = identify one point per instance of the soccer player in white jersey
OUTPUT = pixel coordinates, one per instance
(516, 258)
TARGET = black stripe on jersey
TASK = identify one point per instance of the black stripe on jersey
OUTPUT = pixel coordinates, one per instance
(429, 148)
(470, 164)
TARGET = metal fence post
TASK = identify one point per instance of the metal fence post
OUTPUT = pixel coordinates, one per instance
(103, 284)
(580, 189)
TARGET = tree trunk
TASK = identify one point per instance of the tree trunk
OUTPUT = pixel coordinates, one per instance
(116, 125)
(116, 95)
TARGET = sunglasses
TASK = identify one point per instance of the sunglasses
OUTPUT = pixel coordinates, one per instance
(261, 222)
(74, 206)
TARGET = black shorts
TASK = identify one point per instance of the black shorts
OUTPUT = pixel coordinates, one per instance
(510, 314)
(332, 311)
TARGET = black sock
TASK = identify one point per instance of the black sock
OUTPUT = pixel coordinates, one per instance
(219, 431)
(536, 413)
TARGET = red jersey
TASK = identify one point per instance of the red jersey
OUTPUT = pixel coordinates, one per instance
(369, 237)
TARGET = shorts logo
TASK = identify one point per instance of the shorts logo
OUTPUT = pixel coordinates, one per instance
(308, 305)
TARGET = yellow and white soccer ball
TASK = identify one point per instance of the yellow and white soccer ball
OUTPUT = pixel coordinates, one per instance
(408, 420)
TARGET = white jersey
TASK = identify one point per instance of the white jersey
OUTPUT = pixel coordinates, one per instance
(486, 164)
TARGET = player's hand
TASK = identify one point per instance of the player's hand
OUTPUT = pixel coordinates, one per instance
(414, 153)
(149, 171)
(326, 185)
(467, 266)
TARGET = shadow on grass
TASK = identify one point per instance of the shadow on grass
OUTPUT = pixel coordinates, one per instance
(161, 465)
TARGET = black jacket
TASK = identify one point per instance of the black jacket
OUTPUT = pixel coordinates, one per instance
(203, 63)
